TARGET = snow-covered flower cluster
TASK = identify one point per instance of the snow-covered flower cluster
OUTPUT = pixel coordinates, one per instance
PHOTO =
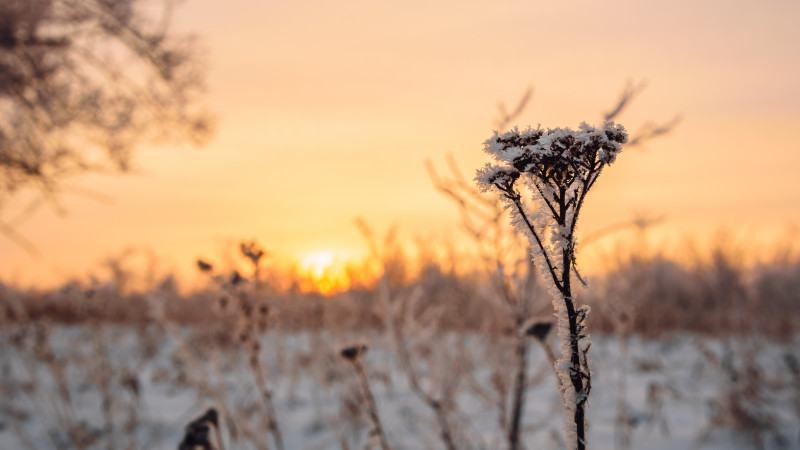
(559, 166)
(556, 157)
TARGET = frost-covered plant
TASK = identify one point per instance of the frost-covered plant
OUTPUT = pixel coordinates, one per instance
(558, 166)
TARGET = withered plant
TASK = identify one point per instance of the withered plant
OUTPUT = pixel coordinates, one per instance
(196, 433)
(512, 283)
(749, 395)
(558, 167)
(239, 298)
(512, 274)
(354, 355)
(413, 325)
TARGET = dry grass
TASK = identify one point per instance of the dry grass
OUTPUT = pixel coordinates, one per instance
(717, 295)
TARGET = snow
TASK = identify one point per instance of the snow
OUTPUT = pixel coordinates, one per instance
(309, 384)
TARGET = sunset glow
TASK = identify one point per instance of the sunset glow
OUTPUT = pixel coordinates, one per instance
(327, 111)
(324, 271)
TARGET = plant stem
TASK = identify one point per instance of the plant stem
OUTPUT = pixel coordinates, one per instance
(266, 396)
(578, 369)
(371, 405)
(520, 385)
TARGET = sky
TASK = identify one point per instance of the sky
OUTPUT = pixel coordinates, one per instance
(327, 112)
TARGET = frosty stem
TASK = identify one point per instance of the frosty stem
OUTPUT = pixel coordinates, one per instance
(563, 206)
(579, 374)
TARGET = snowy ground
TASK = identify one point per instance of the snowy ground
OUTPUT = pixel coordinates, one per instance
(679, 392)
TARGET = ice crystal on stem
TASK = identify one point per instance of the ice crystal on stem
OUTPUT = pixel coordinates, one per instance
(559, 166)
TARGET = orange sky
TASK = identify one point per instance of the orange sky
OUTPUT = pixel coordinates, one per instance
(327, 111)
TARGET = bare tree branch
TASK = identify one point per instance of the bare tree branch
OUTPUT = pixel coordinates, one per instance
(83, 83)
(507, 118)
(651, 130)
(629, 92)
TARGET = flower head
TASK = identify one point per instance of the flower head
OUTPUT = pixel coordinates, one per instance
(494, 175)
(556, 156)
(354, 352)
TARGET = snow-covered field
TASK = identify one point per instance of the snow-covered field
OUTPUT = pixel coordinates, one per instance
(112, 387)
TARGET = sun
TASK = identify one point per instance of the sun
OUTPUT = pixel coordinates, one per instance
(317, 262)
(324, 271)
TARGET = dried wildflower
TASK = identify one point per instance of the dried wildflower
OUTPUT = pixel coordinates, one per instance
(236, 278)
(354, 352)
(558, 157)
(211, 416)
(196, 437)
(539, 330)
(204, 266)
(252, 251)
(559, 166)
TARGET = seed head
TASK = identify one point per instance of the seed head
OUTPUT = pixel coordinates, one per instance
(252, 251)
(211, 416)
(236, 278)
(354, 352)
(196, 436)
(556, 156)
(539, 330)
(204, 266)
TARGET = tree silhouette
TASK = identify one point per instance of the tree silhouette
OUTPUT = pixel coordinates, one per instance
(83, 82)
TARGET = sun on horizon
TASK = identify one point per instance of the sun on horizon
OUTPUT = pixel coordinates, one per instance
(325, 271)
